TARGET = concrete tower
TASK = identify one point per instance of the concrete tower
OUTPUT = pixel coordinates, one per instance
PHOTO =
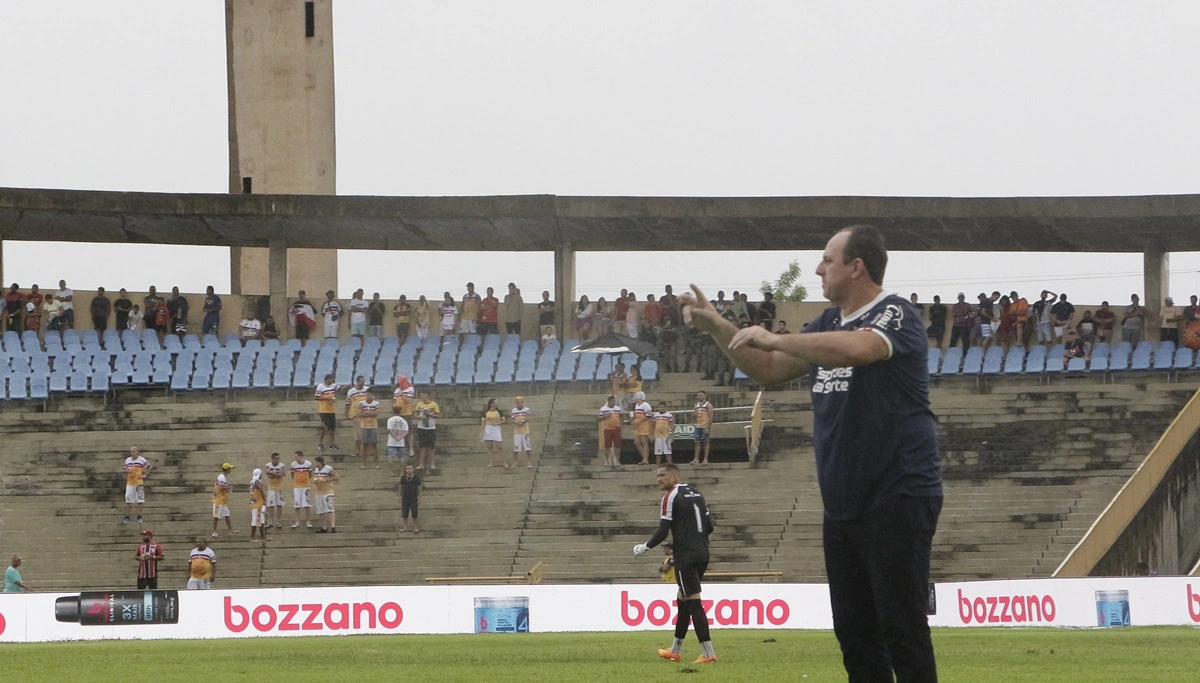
(279, 56)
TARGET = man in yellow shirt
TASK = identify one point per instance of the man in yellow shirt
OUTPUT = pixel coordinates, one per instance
(326, 395)
(202, 566)
(220, 499)
(275, 471)
(703, 415)
(324, 477)
(301, 470)
(664, 431)
(642, 423)
(353, 397)
(368, 429)
(136, 469)
(426, 413)
(519, 416)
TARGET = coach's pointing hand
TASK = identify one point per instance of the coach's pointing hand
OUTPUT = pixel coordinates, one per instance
(699, 312)
(754, 337)
(639, 549)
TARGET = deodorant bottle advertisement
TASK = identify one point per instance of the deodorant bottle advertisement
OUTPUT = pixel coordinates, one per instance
(119, 608)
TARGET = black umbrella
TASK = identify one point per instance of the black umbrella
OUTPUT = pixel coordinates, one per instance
(612, 342)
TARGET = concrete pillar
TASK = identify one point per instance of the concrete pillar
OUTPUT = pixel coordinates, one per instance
(279, 283)
(1156, 275)
(281, 123)
(564, 290)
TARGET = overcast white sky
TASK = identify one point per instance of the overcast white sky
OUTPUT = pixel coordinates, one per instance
(629, 98)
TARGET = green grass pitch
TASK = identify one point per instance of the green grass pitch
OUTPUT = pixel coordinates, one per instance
(1155, 654)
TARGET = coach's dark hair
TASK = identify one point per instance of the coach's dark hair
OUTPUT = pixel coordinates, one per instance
(670, 467)
(866, 243)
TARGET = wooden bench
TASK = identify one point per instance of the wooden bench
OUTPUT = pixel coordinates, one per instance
(533, 576)
(772, 576)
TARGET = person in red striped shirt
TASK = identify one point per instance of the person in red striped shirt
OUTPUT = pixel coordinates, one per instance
(148, 555)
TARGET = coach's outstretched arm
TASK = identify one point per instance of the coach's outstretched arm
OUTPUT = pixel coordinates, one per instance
(774, 358)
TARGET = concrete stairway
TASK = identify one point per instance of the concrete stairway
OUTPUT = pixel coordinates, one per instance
(1028, 467)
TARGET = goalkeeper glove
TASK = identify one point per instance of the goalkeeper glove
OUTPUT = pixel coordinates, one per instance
(639, 549)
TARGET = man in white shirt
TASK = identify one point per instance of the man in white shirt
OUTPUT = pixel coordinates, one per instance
(331, 310)
(358, 315)
(249, 328)
(397, 429)
(67, 297)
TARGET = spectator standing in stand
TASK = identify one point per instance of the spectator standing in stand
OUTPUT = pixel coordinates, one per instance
(136, 469)
(702, 416)
(1087, 328)
(1190, 312)
(326, 394)
(14, 309)
(427, 412)
(1105, 319)
(469, 319)
(1043, 318)
(668, 346)
(66, 297)
(917, 305)
(987, 322)
(177, 307)
(489, 433)
(358, 315)
(202, 566)
(368, 429)
(324, 477)
(642, 425)
(1019, 307)
(301, 470)
(783, 329)
(546, 312)
(275, 471)
(402, 317)
(135, 319)
(617, 382)
(449, 314)
(519, 416)
(602, 319)
(583, 318)
(212, 312)
(303, 317)
(150, 304)
(353, 396)
(258, 506)
(397, 440)
(489, 313)
(410, 498)
(220, 500)
(375, 312)
(664, 432)
(620, 308)
(122, 306)
(1171, 316)
(32, 322)
(148, 554)
(331, 311)
(425, 316)
(514, 310)
(963, 322)
(632, 315)
(766, 311)
(1133, 321)
(609, 418)
(651, 319)
(99, 309)
(937, 322)
(1062, 316)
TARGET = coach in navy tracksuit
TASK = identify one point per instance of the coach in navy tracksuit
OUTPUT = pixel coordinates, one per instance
(874, 436)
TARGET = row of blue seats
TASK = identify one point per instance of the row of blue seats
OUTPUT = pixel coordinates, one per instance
(1039, 359)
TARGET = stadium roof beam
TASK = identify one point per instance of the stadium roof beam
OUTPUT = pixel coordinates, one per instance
(1152, 225)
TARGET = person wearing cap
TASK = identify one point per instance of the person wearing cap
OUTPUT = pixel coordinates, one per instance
(258, 506)
(519, 417)
(148, 555)
(324, 477)
(220, 500)
(642, 423)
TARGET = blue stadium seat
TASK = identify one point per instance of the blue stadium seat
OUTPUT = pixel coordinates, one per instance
(952, 360)
(739, 376)
(100, 382)
(423, 376)
(1140, 360)
(201, 381)
(586, 371)
(172, 343)
(1101, 349)
(973, 363)
(1164, 356)
(566, 369)
(1077, 365)
(222, 378)
(58, 383)
(992, 361)
(150, 340)
(543, 373)
(161, 375)
(180, 381)
(1014, 362)
(1054, 361)
(1183, 358)
(1098, 364)
(11, 341)
(261, 378)
(38, 388)
(1148, 346)
(546, 363)
(933, 359)
(524, 373)
(191, 341)
(1035, 362)
(79, 382)
(240, 380)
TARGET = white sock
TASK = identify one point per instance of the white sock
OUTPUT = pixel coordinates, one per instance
(707, 648)
(676, 646)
